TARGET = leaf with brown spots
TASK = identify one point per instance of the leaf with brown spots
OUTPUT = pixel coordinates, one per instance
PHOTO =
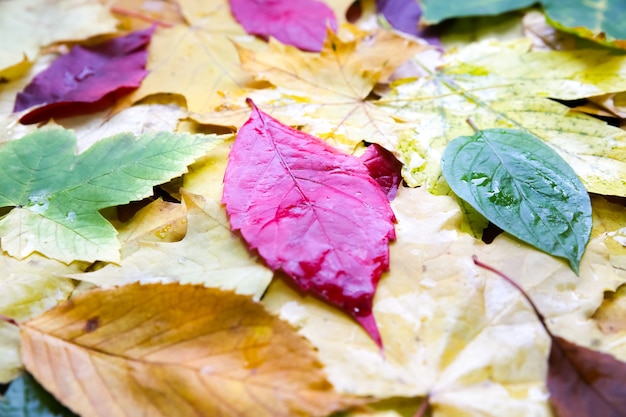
(175, 350)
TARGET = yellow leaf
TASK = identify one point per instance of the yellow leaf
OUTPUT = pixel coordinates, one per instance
(503, 85)
(210, 254)
(27, 25)
(175, 350)
(196, 61)
(451, 330)
(325, 92)
(28, 288)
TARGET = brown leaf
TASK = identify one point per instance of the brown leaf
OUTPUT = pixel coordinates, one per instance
(584, 382)
(172, 350)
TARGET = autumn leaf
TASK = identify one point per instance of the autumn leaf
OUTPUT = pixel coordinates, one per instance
(203, 350)
(384, 168)
(26, 398)
(310, 211)
(501, 85)
(23, 32)
(86, 79)
(205, 45)
(28, 287)
(209, 254)
(301, 23)
(56, 193)
(326, 92)
(453, 331)
(522, 186)
(590, 20)
(582, 382)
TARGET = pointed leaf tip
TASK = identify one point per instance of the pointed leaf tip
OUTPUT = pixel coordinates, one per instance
(311, 211)
(524, 187)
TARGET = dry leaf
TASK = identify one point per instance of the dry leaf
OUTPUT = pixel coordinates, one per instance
(28, 288)
(449, 329)
(210, 254)
(325, 92)
(174, 350)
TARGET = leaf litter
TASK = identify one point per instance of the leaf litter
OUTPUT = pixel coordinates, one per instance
(456, 341)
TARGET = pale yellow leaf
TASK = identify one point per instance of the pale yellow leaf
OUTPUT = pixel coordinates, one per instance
(450, 329)
(27, 25)
(28, 288)
(175, 350)
(137, 119)
(210, 254)
(503, 85)
(196, 61)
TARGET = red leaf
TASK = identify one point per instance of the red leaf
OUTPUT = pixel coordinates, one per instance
(384, 168)
(583, 382)
(311, 211)
(86, 79)
(301, 23)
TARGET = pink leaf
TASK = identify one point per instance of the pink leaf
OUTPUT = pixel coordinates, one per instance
(86, 79)
(301, 23)
(384, 168)
(311, 211)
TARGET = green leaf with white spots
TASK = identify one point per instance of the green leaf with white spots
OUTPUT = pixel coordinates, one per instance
(601, 20)
(502, 85)
(521, 185)
(55, 194)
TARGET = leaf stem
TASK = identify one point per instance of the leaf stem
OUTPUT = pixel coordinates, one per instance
(424, 407)
(473, 126)
(518, 287)
(9, 320)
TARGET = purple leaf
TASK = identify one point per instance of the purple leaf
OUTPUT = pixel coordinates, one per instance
(384, 168)
(312, 211)
(86, 79)
(301, 23)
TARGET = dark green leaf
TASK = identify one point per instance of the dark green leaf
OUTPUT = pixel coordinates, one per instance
(434, 11)
(524, 187)
(26, 398)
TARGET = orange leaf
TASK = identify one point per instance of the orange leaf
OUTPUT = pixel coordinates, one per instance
(175, 350)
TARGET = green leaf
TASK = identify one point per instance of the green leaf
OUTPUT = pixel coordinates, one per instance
(521, 185)
(601, 21)
(56, 194)
(434, 11)
(26, 398)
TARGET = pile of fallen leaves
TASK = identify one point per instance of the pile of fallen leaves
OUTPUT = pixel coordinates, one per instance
(277, 208)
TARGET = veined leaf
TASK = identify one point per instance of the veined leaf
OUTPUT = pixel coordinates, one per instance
(524, 187)
(209, 254)
(175, 350)
(502, 85)
(312, 211)
(56, 194)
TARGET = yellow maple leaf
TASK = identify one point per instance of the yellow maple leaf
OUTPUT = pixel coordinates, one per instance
(451, 330)
(209, 254)
(327, 92)
(504, 85)
(175, 350)
(196, 61)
